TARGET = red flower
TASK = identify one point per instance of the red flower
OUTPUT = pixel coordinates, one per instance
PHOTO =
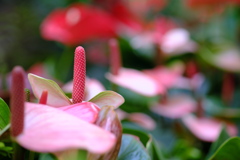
(77, 23)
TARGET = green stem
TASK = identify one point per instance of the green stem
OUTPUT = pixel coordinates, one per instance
(18, 152)
(31, 155)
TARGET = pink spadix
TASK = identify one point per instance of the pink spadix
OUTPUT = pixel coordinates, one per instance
(79, 75)
(115, 57)
(43, 98)
(17, 101)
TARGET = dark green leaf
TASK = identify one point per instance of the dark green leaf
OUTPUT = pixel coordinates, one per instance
(154, 149)
(222, 137)
(229, 150)
(144, 138)
(132, 149)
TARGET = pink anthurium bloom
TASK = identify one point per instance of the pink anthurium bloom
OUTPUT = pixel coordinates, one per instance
(150, 82)
(175, 106)
(59, 124)
(138, 118)
(136, 81)
(43, 128)
(207, 129)
(177, 41)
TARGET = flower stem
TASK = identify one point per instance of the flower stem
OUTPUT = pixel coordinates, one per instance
(18, 152)
(115, 56)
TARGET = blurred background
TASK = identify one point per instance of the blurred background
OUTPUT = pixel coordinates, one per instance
(190, 48)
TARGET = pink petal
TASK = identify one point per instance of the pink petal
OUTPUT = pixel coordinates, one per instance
(228, 60)
(48, 129)
(207, 129)
(137, 82)
(86, 111)
(93, 87)
(175, 107)
(143, 120)
(164, 76)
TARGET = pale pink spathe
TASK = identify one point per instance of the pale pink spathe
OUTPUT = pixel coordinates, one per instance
(86, 111)
(48, 129)
(136, 81)
(207, 129)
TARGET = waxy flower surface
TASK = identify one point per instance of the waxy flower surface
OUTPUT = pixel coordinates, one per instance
(59, 124)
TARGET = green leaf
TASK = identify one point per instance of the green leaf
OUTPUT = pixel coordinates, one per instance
(4, 114)
(229, 150)
(223, 136)
(132, 149)
(148, 141)
(144, 138)
(154, 149)
(56, 96)
(108, 98)
(46, 156)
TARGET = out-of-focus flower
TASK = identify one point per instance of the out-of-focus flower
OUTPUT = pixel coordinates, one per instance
(166, 35)
(207, 129)
(228, 60)
(136, 81)
(142, 7)
(150, 82)
(138, 118)
(78, 23)
(93, 87)
(39, 69)
(175, 106)
(177, 41)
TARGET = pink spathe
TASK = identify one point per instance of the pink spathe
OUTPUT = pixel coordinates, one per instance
(86, 111)
(49, 129)
(207, 129)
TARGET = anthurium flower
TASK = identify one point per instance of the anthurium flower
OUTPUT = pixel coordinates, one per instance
(176, 106)
(64, 124)
(78, 23)
(150, 82)
(138, 118)
(207, 129)
(177, 41)
(43, 128)
(227, 59)
(147, 82)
